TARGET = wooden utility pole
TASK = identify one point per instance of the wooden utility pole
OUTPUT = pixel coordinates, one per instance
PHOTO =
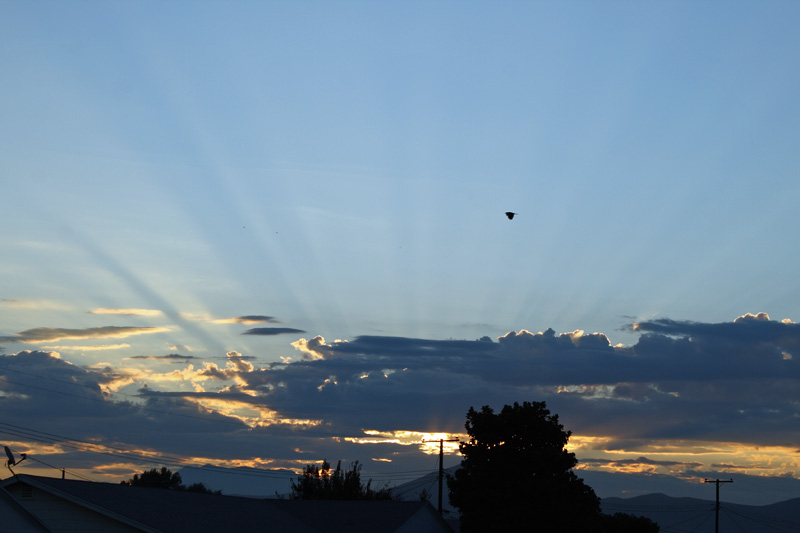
(716, 514)
(441, 467)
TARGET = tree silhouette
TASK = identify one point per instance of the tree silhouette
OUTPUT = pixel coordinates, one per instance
(319, 483)
(162, 479)
(165, 479)
(516, 474)
(628, 523)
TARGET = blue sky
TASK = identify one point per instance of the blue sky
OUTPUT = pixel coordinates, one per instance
(339, 172)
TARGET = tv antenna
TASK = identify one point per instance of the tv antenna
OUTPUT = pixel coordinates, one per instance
(11, 461)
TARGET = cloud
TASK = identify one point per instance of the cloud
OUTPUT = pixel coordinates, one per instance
(681, 382)
(271, 331)
(35, 304)
(393, 382)
(644, 464)
(40, 390)
(127, 312)
(313, 349)
(168, 357)
(700, 379)
(236, 366)
(36, 335)
(247, 319)
(89, 348)
(747, 330)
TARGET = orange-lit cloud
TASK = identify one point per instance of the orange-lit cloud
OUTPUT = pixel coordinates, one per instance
(312, 350)
(316, 348)
(428, 443)
(683, 458)
(127, 312)
(89, 348)
(37, 335)
(751, 316)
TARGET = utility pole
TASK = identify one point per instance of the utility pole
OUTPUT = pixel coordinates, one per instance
(441, 467)
(716, 514)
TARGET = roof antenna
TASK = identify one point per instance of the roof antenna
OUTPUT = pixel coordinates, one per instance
(11, 461)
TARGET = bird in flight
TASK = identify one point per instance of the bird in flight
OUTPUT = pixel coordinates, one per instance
(510, 215)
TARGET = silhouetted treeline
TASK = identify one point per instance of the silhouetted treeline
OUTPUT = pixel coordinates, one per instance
(164, 479)
(320, 483)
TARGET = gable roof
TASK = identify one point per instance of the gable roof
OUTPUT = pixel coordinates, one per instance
(14, 517)
(160, 510)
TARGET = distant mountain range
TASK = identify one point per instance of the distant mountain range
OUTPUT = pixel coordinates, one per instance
(676, 515)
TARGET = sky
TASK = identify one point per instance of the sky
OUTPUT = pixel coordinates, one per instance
(264, 234)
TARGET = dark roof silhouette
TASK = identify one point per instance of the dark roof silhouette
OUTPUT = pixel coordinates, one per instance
(162, 510)
(14, 517)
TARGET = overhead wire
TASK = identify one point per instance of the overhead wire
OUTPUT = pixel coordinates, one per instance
(345, 432)
(167, 460)
(163, 459)
(63, 470)
(775, 524)
(734, 522)
(420, 484)
(764, 489)
(173, 461)
(181, 461)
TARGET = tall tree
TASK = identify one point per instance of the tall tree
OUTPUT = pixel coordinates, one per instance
(517, 475)
(319, 483)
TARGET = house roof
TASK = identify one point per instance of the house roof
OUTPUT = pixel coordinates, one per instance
(355, 516)
(161, 510)
(152, 509)
(14, 517)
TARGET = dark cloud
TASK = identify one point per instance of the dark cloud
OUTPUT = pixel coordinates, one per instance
(745, 330)
(271, 331)
(664, 386)
(41, 392)
(682, 380)
(256, 318)
(168, 357)
(387, 347)
(242, 357)
(247, 319)
(643, 461)
(46, 369)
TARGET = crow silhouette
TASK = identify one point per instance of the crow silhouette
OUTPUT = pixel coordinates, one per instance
(510, 215)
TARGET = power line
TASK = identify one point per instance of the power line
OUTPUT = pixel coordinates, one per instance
(705, 515)
(80, 445)
(180, 461)
(345, 432)
(775, 524)
(161, 459)
(63, 470)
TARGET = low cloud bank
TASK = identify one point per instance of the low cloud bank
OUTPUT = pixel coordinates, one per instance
(682, 381)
